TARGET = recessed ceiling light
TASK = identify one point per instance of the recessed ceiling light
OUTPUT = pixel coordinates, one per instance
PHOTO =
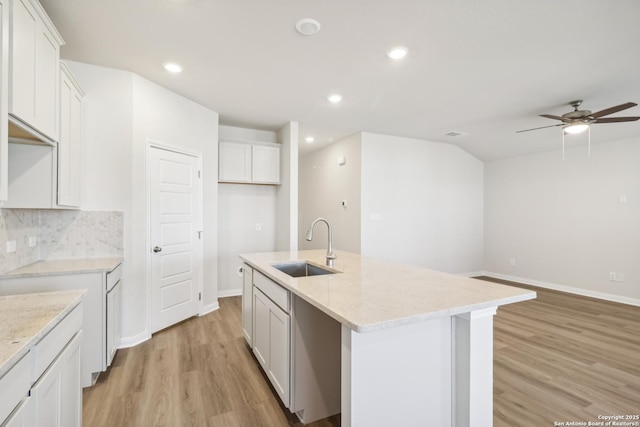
(308, 26)
(334, 98)
(398, 52)
(309, 139)
(173, 68)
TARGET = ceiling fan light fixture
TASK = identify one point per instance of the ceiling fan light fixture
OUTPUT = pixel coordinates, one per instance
(576, 128)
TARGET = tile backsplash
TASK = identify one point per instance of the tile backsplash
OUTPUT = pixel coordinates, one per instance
(60, 234)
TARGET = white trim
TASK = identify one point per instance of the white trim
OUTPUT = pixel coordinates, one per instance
(230, 293)
(209, 308)
(471, 274)
(569, 289)
(133, 341)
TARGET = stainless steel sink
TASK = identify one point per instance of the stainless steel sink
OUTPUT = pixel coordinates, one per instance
(301, 269)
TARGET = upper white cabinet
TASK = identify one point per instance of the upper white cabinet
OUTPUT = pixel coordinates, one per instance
(70, 144)
(4, 99)
(249, 163)
(34, 52)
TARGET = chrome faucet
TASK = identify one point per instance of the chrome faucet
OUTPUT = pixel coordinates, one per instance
(331, 256)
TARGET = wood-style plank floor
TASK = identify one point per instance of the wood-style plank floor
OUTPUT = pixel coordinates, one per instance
(557, 358)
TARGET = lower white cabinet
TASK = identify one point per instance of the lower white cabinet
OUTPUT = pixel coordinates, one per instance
(247, 303)
(101, 320)
(57, 395)
(271, 342)
(23, 416)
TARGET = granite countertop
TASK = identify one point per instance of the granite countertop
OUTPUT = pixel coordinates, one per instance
(26, 318)
(64, 266)
(370, 294)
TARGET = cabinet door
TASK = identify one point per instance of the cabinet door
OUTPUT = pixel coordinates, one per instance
(234, 162)
(4, 99)
(279, 366)
(265, 168)
(22, 416)
(247, 299)
(35, 52)
(114, 329)
(261, 327)
(69, 146)
(70, 386)
(47, 394)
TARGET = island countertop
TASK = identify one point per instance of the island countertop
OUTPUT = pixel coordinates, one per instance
(370, 294)
(26, 318)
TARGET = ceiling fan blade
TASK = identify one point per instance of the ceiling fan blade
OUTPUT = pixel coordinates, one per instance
(543, 127)
(616, 119)
(550, 116)
(612, 110)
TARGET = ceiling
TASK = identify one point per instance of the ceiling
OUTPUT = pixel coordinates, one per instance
(486, 68)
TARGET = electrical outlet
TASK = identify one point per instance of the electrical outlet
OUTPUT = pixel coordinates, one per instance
(33, 241)
(258, 227)
(612, 276)
(11, 246)
(512, 262)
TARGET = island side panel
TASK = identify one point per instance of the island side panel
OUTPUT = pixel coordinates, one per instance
(398, 376)
(473, 368)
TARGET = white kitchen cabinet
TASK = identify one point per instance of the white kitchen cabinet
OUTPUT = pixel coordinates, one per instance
(34, 77)
(96, 354)
(234, 162)
(4, 100)
(265, 164)
(247, 303)
(70, 143)
(272, 333)
(57, 394)
(23, 414)
(247, 163)
(114, 325)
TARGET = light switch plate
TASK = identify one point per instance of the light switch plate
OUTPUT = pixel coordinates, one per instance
(11, 246)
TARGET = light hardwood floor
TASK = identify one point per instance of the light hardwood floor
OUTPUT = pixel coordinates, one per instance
(557, 358)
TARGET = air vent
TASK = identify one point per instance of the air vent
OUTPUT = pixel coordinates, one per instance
(454, 134)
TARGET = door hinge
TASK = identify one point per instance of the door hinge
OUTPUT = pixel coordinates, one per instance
(199, 296)
(199, 235)
(198, 174)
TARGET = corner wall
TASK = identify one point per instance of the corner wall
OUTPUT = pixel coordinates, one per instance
(287, 193)
(324, 184)
(422, 203)
(562, 221)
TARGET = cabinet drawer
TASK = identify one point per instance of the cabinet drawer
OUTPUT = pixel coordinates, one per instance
(52, 344)
(114, 277)
(15, 385)
(271, 289)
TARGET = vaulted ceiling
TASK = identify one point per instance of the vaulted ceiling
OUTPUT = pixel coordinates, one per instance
(485, 68)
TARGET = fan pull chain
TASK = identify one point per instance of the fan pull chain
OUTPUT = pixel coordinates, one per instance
(563, 132)
(589, 149)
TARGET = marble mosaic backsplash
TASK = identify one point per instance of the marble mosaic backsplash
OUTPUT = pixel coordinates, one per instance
(60, 234)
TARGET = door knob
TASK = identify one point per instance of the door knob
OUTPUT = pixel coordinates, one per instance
(157, 249)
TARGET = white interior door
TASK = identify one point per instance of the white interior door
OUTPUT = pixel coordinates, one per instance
(176, 249)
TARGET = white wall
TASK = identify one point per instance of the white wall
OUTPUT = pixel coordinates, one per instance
(562, 221)
(287, 193)
(122, 113)
(422, 203)
(240, 208)
(323, 186)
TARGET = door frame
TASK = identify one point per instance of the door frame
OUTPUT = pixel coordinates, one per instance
(151, 144)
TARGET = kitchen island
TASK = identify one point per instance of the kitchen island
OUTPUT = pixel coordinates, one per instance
(416, 345)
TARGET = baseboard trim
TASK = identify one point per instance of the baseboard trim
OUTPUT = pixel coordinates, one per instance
(230, 293)
(206, 309)
(126, 342)
(471, 274)
(562, 288)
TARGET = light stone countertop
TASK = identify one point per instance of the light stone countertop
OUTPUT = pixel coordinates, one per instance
(26, 318)
(371, 294)
(64, 266)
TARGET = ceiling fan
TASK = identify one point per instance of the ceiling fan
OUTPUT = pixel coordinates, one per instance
(577, 121)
